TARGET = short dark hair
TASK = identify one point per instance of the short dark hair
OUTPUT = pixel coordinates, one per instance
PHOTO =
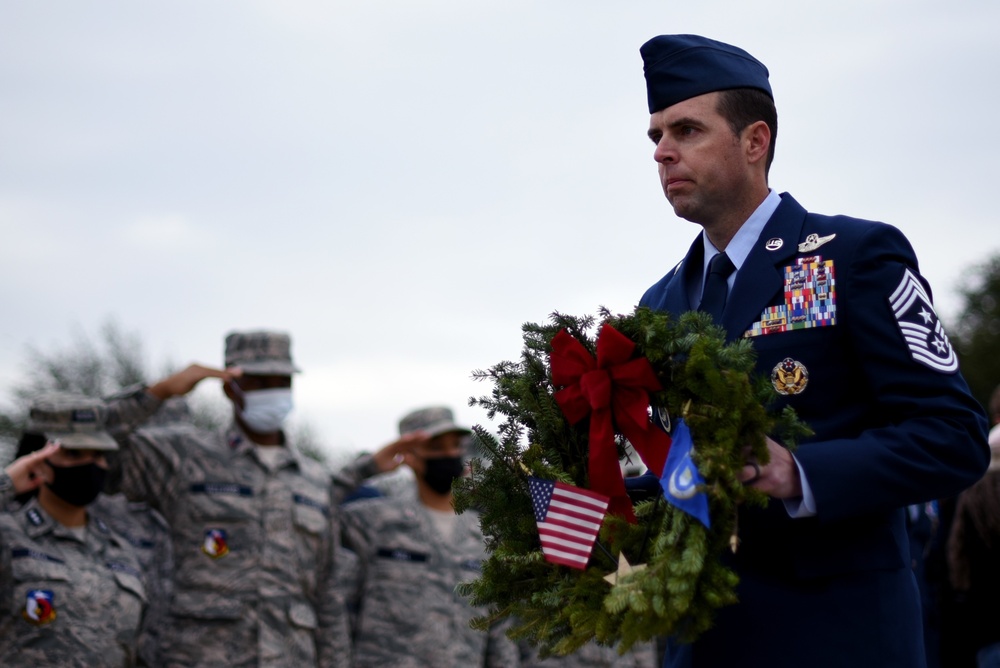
(995, 406)
(743, 106)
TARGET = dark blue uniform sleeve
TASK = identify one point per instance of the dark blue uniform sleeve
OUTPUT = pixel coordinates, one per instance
(899, 425)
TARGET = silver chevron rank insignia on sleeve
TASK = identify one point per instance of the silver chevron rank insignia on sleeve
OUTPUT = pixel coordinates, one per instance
(920, 326)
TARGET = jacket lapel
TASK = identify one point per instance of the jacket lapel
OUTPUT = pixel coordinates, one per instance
(676, 298)
(761, 276)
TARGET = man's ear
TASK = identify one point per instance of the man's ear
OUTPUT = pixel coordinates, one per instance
(233, 395)
(757, 141)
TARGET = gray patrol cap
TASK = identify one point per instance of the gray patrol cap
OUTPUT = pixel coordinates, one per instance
(433, 421)
(260, 353)
(74, 420)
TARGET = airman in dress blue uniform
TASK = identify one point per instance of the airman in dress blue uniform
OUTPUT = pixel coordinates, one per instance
(844, 326)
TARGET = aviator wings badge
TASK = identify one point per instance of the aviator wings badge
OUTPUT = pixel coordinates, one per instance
(814, 241)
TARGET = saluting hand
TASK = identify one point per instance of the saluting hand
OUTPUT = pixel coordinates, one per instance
(29, 472)
(185, 380)
(391, 456)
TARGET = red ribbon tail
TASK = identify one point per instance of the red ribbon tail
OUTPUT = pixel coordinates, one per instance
(622, 507)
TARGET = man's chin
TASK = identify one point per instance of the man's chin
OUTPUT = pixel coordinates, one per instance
(683, 209)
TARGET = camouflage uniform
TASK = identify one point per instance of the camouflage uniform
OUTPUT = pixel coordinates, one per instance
(7, 495)
(253, 548)
(72, 598)
(254, 540)
(408, 614)
(593, 655)
(148, 534)
(351, 476)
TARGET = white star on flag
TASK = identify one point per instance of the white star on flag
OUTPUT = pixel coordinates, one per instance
(568, 518)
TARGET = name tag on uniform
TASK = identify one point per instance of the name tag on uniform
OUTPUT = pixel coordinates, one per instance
(118, 567)
(230, 488)
(400, 554)
(25, 553)
(311, 503)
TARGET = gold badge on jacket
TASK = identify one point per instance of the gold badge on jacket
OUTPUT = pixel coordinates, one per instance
(789, 377)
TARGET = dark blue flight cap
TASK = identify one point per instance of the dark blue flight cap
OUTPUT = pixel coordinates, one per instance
(679, 67)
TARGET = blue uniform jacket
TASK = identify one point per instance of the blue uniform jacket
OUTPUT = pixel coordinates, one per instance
(894, 424)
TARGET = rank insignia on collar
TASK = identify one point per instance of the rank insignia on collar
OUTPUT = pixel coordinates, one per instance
(789, 377)
(39, 608)
(215, 544)
(814, 241)
(774, 244)
(920, 326)
(35, 517)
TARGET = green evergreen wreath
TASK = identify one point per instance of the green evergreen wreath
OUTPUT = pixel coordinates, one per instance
(707, 382)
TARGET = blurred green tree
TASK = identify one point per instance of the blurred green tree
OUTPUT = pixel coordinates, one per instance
(977, 330)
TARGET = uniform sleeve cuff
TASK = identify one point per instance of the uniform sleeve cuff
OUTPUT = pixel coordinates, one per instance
(805, 506)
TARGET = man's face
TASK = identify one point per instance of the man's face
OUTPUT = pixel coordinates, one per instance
(702, 165)
(444, 445)
(250, 382)
(67, 457)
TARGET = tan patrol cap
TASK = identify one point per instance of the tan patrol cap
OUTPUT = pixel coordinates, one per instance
(260, 353)
(434, 421)
(76, 421)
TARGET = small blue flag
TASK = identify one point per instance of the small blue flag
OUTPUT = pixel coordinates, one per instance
(680, 477)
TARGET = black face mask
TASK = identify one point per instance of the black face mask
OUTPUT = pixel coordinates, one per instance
(77, 485)
(440, 472)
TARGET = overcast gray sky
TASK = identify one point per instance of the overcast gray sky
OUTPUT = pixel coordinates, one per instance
(400, 184)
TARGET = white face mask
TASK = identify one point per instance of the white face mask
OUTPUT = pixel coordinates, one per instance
(265, 411)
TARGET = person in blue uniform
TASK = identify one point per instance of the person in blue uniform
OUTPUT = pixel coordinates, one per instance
(843, 324)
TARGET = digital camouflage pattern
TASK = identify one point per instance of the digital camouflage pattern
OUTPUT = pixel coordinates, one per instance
(253, 547)
(348, 478)
(75, 420)
(408, 614)
(148, 534)
(71, 598)
(260, 353)
(593, 655)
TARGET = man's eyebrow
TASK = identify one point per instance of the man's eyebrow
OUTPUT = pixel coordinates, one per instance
(677, 123)
(686, 120)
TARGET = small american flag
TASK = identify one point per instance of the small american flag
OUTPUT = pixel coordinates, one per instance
(568, 520)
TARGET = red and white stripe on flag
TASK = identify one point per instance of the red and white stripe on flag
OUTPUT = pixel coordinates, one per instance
(568, 518)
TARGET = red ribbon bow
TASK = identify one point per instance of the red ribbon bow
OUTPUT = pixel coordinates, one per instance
(613, 390)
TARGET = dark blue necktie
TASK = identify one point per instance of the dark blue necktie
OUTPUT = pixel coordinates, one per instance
(713, 297)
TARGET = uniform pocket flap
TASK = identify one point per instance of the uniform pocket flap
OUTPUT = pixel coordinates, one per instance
(130, 582)
(302, 615)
